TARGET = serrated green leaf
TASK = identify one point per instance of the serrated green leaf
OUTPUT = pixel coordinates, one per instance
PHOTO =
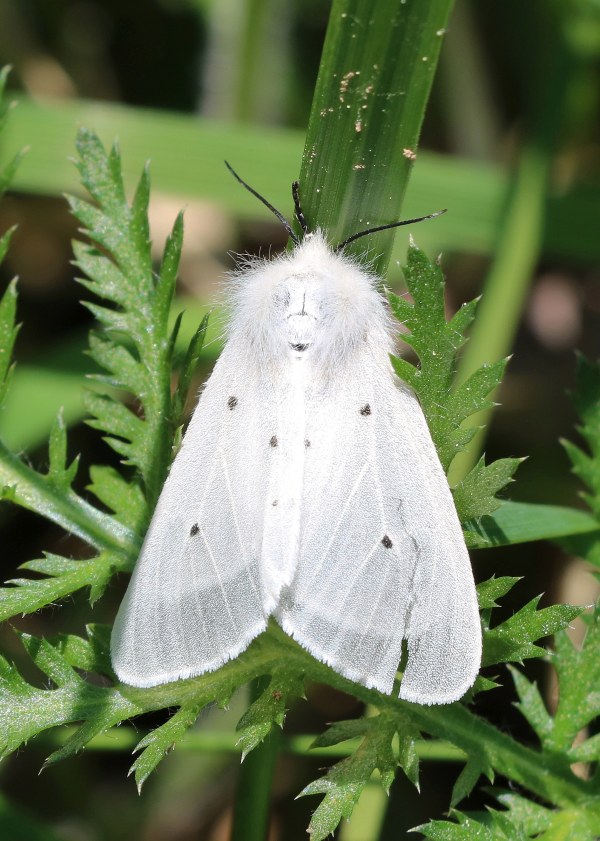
(579, 685)
(586, 398)
(532, 706)
(63, 577)
(467, 829)
(8, 328)
(513, 640)
(587, 751)
(5, 241)
(114, 418)
(446, 406)
(49, 661)
(124, 370)
(26, 710)
(341, 731)
(269, 709)
(84, 734)
(156, 744)
(472, 396)
(90, 653)
(532, 816)
(494, 588)
(476, 765)
(7, 172)
(187, 370)
(172, 254)
(135, 350)
(345, 781)
(475, 496)
(124, 498)
(24, 486)
(60, 474)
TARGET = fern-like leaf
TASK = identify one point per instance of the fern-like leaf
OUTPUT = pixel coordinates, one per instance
(269, 709)
(345, 781)
(134, 349)
(437, 343)
(135, 352)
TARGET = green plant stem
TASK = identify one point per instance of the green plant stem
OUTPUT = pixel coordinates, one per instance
(551, 780)
(506, 286)
(378, 63)
(547, 778)
(255, 779)
(31, 490)
(541, 773)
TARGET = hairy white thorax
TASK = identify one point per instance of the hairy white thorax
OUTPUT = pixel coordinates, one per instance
(309, 304)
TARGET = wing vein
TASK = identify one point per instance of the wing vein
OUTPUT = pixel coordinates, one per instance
(319, 566)
(219, 579)
(236, 522)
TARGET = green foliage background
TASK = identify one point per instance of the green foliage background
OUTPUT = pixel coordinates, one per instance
(143, 359)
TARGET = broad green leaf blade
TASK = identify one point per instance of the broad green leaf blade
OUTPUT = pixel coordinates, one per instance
(366, 117)
(523, 522)
(187, 155)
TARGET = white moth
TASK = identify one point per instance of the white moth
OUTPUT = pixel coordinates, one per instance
(307, 488)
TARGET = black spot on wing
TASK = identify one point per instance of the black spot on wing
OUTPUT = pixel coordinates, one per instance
(273, 442)
(275, 503)
(366, 410)
(386, 542)
(306, 443)
(232, 402)
(194, 530)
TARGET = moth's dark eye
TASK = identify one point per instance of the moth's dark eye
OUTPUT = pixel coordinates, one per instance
(299, 348)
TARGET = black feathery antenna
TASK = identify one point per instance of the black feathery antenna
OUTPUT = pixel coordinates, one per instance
(266, 203)
(386, 227)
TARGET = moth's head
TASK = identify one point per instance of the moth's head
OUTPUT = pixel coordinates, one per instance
(313, 303)
(309, 304)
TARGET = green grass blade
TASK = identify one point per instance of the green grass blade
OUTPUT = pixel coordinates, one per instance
(378, 64)
(523, 522)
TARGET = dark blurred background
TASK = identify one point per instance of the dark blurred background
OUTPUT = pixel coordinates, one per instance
(512, 77)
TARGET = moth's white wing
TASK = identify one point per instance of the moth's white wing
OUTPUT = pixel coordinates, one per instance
(382, 556)
(195, 598)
